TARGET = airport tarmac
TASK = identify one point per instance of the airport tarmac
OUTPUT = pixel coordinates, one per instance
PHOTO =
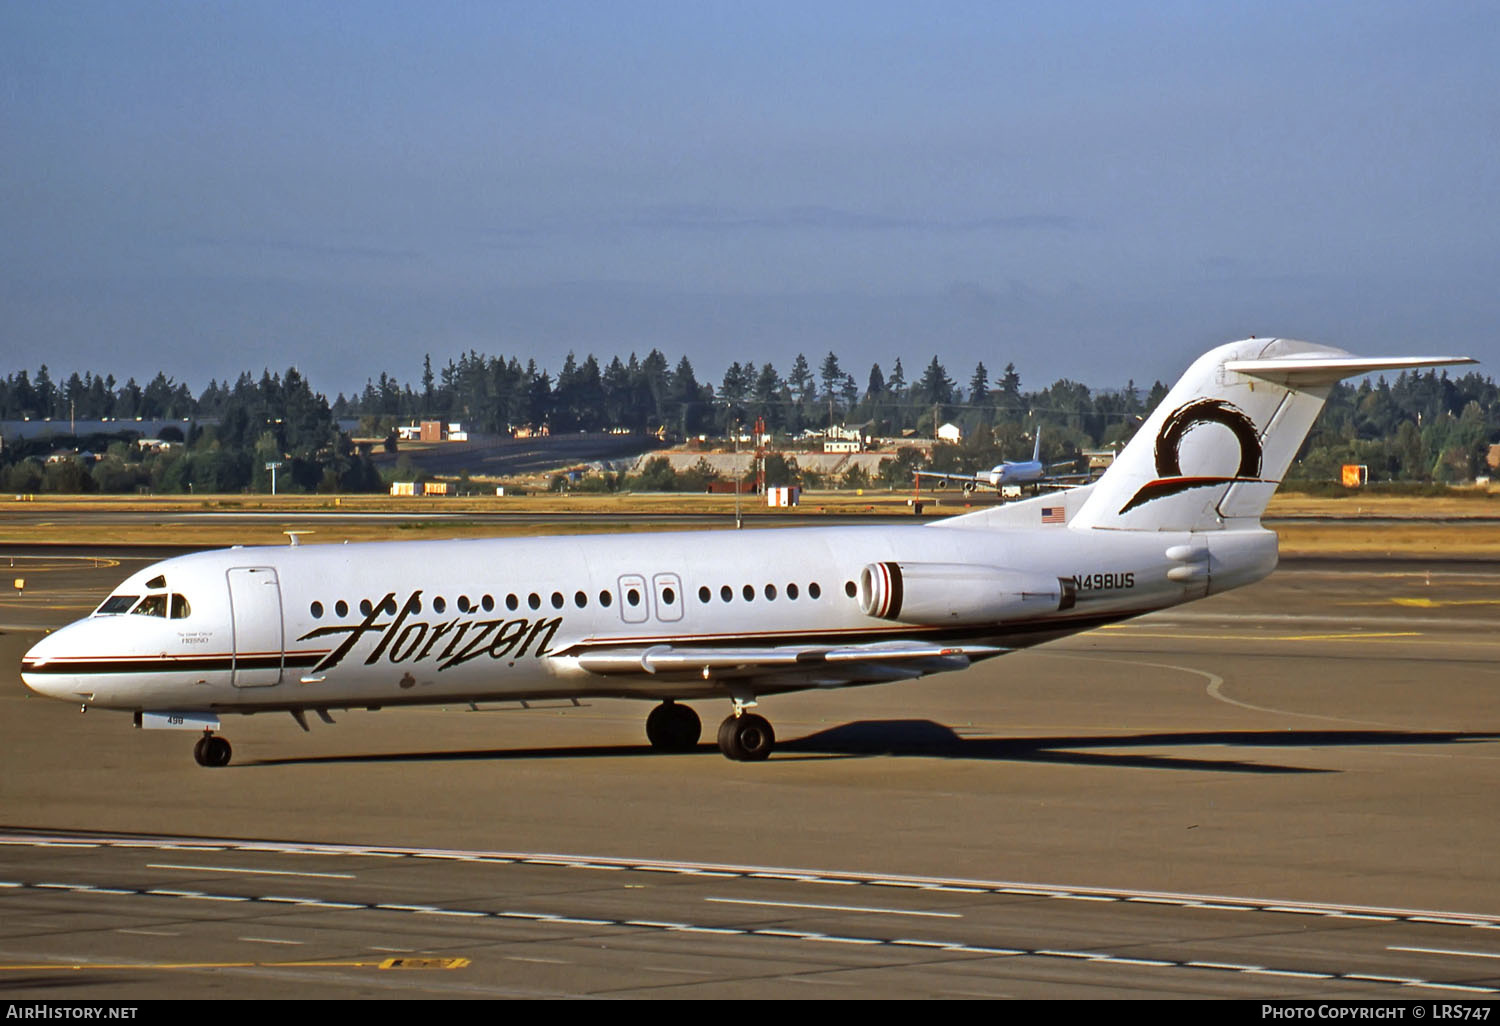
(1284, 791)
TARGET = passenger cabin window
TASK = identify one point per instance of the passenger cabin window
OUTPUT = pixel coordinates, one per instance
(116, 604)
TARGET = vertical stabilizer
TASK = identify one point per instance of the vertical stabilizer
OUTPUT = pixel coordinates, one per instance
(1213, 453)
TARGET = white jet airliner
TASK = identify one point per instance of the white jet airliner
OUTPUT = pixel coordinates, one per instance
(1009, 472)
(710, 615)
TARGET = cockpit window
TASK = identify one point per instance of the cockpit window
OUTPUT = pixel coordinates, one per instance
(180, 608)
(159, 581)
(116, 604)
(151, 605)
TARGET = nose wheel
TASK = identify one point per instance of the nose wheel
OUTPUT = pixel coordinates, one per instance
(746, 738)
(212, 751)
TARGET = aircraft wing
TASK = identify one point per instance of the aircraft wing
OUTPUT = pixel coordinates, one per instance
(1061, 482)
(829, 665)
(972, 480)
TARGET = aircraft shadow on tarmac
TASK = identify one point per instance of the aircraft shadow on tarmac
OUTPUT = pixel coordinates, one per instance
(926, 739)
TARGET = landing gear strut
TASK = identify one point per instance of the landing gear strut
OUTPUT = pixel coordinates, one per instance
(212, 751)
(673, 728)
(746, 737)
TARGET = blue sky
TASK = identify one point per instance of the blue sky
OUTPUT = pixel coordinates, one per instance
(1096, 191)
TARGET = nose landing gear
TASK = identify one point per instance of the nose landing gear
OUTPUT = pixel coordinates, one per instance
(212, 750)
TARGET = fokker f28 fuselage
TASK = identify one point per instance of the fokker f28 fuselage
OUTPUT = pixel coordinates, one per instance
(698, 615)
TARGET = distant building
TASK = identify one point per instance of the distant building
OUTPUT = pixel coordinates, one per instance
(950, 433)
(72, 455)
(1099, 459)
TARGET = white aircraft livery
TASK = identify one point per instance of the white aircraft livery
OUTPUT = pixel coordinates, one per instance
(727, 615)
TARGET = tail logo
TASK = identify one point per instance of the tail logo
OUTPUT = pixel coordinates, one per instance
(1170, 479)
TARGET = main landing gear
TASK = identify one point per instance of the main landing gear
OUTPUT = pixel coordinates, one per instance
(746, 737)
(673, 728)
(211, 750)
(743, 736)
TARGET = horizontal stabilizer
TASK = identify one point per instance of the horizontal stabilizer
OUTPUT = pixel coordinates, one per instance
(1309, 372)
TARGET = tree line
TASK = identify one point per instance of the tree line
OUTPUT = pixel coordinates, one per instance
(1417, 427)
(231, 433)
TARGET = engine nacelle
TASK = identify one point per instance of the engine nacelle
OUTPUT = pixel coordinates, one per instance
(959, 593)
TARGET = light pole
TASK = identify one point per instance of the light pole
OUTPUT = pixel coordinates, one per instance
(272, 468)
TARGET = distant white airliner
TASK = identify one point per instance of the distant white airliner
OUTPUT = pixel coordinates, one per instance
(731, 615)
(1008, 472)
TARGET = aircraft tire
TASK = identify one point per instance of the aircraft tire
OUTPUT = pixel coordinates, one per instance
(212, 751)
(673, 728)
(746, 738)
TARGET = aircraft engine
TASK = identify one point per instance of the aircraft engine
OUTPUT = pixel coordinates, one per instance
(959, 593)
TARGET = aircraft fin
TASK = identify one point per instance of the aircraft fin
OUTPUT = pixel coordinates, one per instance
(1212, 454)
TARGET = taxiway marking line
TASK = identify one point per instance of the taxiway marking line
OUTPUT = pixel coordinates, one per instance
(456, 963)
(1185, 636)
(1447, 951)
(246, 869)
(389, 963)
(834, 908)
(820, 877)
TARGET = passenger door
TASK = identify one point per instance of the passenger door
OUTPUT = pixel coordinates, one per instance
(255, 609)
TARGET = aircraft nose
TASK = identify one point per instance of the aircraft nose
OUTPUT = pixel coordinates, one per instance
(39, 671)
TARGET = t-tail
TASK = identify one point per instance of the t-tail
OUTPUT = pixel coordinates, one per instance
(1212, 454)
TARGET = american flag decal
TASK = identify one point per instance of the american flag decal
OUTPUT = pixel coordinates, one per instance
(1053, 515)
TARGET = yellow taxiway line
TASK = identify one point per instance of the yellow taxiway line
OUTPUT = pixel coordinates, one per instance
(388, 963)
